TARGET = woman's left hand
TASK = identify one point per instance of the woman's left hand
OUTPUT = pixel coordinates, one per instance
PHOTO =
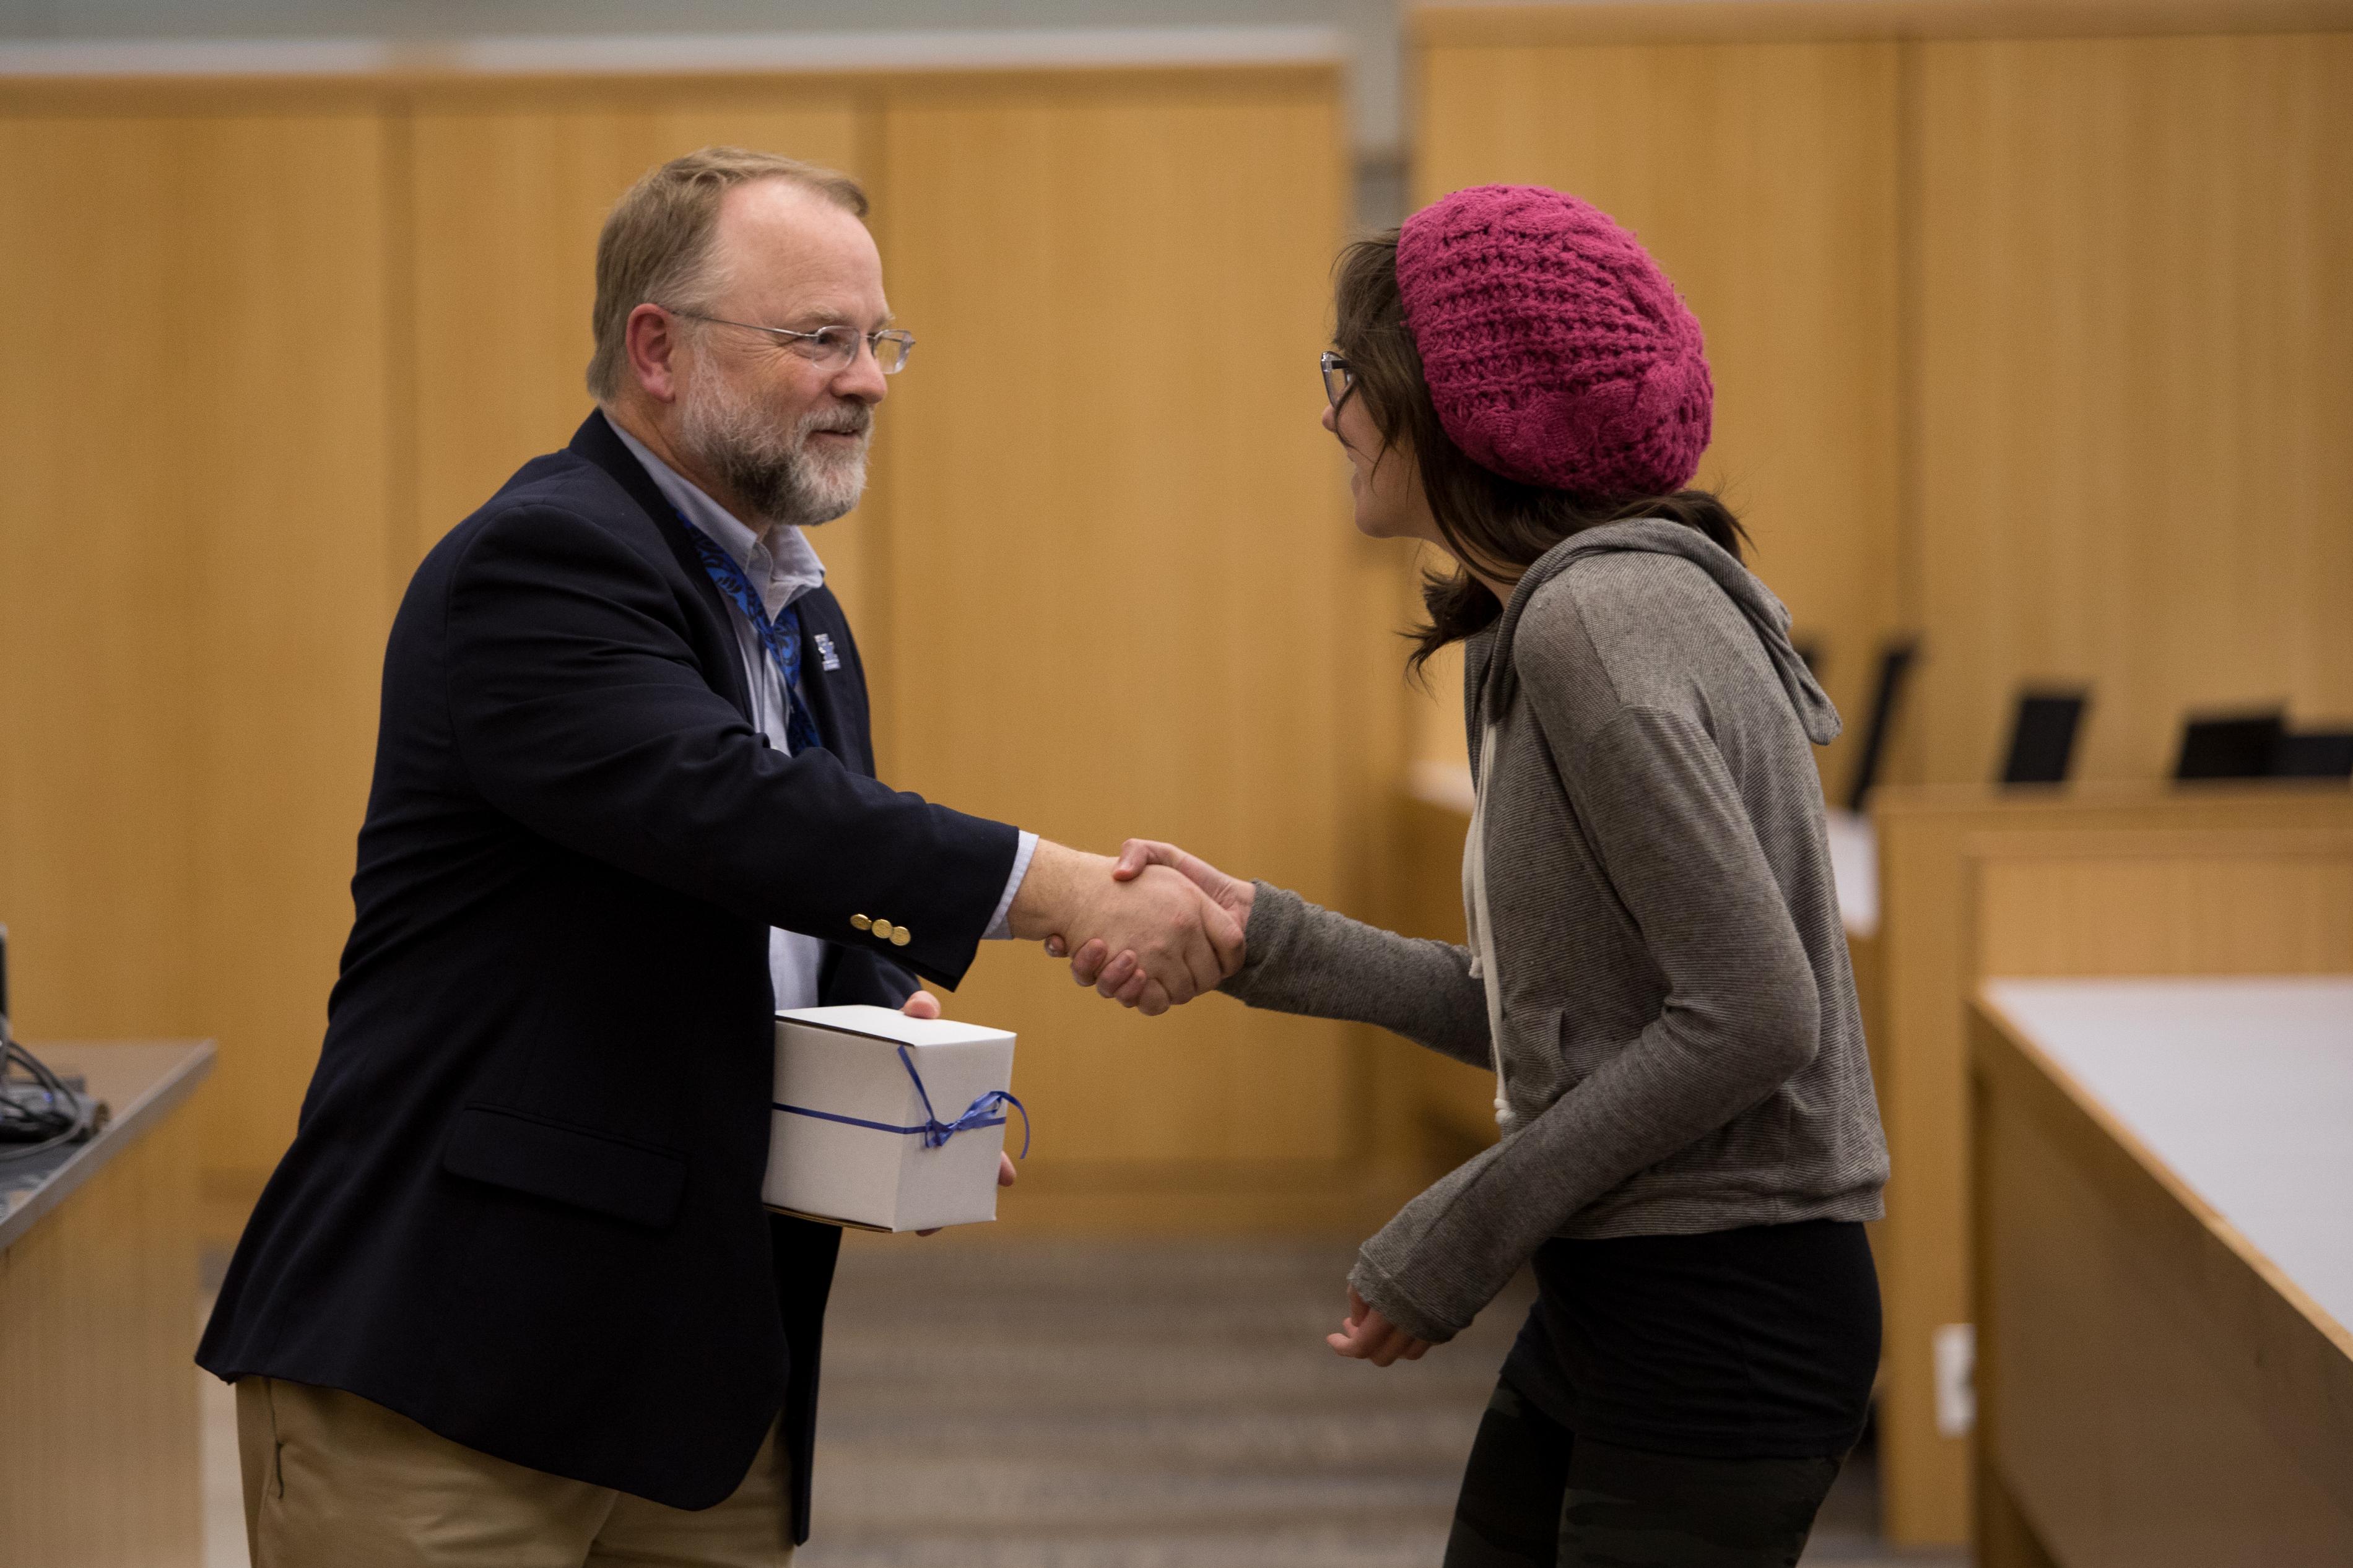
(1366, 1335)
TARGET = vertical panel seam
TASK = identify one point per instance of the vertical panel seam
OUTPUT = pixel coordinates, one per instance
(870, 147)
(1910, 199)
(402, 544)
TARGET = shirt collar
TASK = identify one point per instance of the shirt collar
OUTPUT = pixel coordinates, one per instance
(791, 565)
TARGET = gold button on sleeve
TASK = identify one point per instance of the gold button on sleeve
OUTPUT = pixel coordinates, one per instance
(882, 929)
(861, 922)
(899, 937)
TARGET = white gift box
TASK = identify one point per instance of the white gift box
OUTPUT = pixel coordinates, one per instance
(886, 1121)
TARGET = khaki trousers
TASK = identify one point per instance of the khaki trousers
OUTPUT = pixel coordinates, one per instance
(332, 1480)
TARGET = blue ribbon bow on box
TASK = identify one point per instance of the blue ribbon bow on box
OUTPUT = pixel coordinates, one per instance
(932, 1131)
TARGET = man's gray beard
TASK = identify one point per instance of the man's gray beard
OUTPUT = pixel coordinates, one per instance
(769, 469)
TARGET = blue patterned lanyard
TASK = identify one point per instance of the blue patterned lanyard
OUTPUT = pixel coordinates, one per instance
(781, 636)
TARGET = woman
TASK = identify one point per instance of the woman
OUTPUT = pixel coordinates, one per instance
(1656, 971)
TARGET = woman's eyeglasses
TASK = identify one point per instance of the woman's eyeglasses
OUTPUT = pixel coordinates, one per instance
(1339, 379)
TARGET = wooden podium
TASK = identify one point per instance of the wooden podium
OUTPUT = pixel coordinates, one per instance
(99, 1462)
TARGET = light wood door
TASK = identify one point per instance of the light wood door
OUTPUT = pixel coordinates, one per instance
(2137, 378)
(193, 578)
(511, 185)
(1123, 594)
(1763, 178)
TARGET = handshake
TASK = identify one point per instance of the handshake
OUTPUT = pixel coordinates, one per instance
(1151, 930)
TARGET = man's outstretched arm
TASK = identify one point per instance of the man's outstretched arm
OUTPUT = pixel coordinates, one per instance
(578, 708)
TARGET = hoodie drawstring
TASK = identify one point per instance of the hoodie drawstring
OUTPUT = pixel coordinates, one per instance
(1475, 922)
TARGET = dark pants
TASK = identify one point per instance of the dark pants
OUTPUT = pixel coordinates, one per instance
(1536, 1493)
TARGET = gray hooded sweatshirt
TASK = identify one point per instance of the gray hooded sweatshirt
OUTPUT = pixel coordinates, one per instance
(1673, 1015)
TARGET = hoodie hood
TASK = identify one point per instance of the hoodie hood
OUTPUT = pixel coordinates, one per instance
(1657, 536)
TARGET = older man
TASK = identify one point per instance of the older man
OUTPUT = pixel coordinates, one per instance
(511, 1297)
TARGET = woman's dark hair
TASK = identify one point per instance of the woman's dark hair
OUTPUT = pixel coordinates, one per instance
(1501, 524)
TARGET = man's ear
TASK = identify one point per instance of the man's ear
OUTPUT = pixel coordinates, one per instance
(651, 337)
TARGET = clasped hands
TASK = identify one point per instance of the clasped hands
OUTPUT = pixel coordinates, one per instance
(1162, 937)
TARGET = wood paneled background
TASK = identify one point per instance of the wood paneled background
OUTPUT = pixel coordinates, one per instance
(277, 337)
(1140, 557)
(2135, 386)
(195, 576)
(2036, 347)
(1764, 178)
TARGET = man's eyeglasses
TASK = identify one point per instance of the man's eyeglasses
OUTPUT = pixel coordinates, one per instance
(830, 348)
(1339, 379)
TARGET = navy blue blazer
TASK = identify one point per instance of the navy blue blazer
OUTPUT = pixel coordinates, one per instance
(522, 1202)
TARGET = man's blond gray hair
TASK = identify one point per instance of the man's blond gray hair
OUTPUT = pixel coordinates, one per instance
(656, 247)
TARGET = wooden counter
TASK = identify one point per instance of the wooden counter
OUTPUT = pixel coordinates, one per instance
(98, 1324)
(2245, 879)
(2165, 1270)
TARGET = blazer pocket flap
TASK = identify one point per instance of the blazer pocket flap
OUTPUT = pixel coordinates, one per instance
(596, 1171)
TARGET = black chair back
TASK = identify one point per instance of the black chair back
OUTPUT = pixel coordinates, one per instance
(1895, 662)
(2043, 738)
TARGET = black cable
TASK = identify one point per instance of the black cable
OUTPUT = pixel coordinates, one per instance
(45, 1108)
(45, 1112)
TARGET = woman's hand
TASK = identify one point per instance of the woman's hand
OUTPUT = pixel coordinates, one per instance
(1120, 977)
(924, 1004)
(1366, 1335)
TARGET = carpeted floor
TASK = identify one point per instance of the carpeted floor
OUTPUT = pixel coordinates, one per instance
(1089, 1405)
(1126, 1406)
(1144, 1406)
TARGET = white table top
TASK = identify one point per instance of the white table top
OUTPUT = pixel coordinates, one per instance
(1446, 785)
(1855, 865)
(2243, 1087)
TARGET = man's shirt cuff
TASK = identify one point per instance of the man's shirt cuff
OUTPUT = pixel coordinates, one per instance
(1000, 924)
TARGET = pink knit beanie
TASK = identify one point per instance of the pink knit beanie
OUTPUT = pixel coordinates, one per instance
(1557, 352)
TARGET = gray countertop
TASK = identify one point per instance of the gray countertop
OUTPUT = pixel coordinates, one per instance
(2243, 1087)
(141, 1080)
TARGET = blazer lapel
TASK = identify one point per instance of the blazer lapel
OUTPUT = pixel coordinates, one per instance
(595, 441)
(837, 698)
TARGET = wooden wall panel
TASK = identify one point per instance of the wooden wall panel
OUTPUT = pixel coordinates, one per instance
(2137, 374)
(511, 187)
(1764, 179)
(195, 566)
(1123, 587)
(291, 601)
(1523, 21)
(95, 619)
(2184, 903)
